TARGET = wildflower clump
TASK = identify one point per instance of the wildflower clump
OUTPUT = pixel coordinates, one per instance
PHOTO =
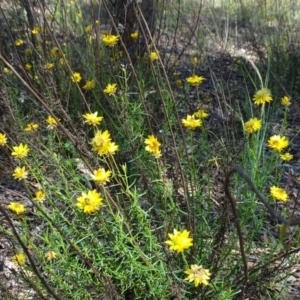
(92, 118)
(102, 143)
(278, 193)
(20, 173)
(153, 145)
(20, 151)
(252, 125)
(278, 143)
(191, 122)
(262, 96)
(179, 241)
(194, 80)
(89, 202)
(197, 274)
(19, 42)
(16, 207)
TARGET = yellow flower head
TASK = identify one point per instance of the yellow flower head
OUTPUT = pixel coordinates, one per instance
(89, 85)
(101, 176)
(191, 123)
(35, 30)
(31, 127)
(19, 259)
(195, 59)
(252, 125)
(16, 207)
(39, 196)
(89, 202)
(20, 151)
(110, 40)
(194, 80)
(49, 66)
(278, 193)
(92, 118)
(197, 274)
(19, 42)
(7, 71)
(51, 122)
(103, 145)
(50, 255)
(3, 139)
(88, 28)
(200, 114)
(28, 67)
(278, 143)
(110, 89)
(178, 82)
(286, 156)
(153, 56)
(286, 101)
(20, 173)
(153, 145)
(179, 241)
(55, 52)
(28, 52)
(262, 96)
(76, 77)
(134, 35)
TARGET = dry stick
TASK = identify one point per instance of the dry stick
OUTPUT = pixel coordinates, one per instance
(277, 216)
(32, 263)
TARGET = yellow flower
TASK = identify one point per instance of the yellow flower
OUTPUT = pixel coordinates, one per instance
(286, 156)
(134, 35)
(278, 143)
(178, 82)
(39, 196)
(195, 59)
(92, 118)
(197, 274)
(201, 114)
(20, 173)
(31, 127)
(103, 145)
(89, 202)
(286, 101)
(252, 125)
(35, 30)
(110, 40)
(89, 85)
(110, 89)
(50, 255)
(87, 29)
(52, 123)
(19, 259)
(7, 71)
(179, 241)
(16, 207)
(101, 176)
(76, 77)
(79, 15)
(191, 123)
(28, 52)
(20, 151)
(194, 80)
(153, 56)
(55, 52)
(153, 145)
(278, 193)
(3, 139)
(28, 67)
(49, 66)
(19, 42)
(262, 96)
